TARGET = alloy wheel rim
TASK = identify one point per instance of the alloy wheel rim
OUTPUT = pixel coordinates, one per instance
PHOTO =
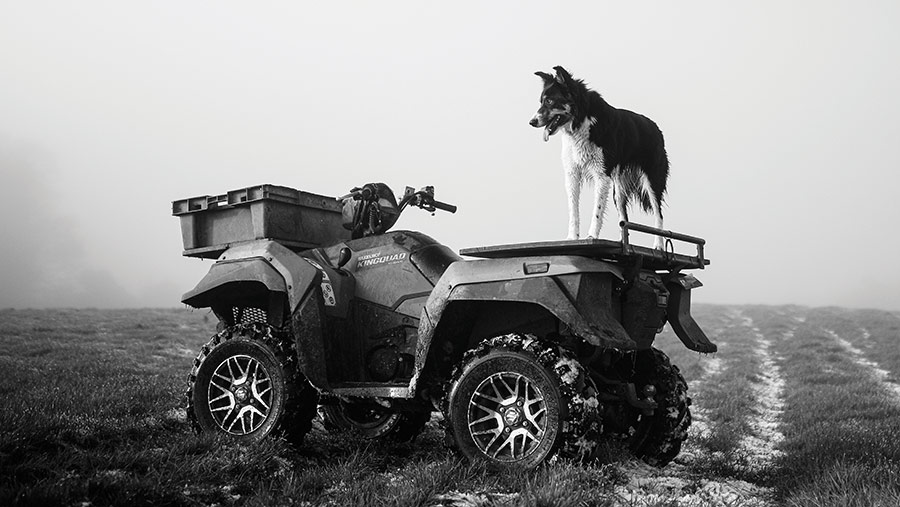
(240, 395)
(507, 416)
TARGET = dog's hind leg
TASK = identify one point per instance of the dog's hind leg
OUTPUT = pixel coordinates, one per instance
(601, 196)
(620, 194)
(657, 212)
(655, 199)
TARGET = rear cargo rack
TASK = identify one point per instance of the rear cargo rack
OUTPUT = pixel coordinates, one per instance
(299, 220)
(669, 249)
(608, 250)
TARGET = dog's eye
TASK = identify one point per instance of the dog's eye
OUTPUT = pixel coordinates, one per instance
(548, 102)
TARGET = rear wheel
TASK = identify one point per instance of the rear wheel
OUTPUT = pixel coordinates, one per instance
(515, 401)
(657, 438)
(245, 384)
(373, 421)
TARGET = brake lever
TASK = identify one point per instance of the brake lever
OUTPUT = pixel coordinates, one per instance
(355, 193)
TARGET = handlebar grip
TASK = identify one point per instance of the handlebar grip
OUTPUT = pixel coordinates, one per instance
(444, 206)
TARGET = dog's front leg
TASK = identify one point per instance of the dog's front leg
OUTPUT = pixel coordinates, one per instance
(573, 190)
(601, 195)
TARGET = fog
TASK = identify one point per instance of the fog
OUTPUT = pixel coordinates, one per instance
(780, 122)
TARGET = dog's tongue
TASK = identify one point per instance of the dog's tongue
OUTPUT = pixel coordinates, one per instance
(551, 127)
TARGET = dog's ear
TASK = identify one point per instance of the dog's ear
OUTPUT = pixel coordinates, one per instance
(548, 79)
(563, 76)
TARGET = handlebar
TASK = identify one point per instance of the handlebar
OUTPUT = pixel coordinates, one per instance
(378, 210)
(423, 198)
(444, 206)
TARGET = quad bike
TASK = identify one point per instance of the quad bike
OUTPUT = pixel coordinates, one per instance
(527, 350)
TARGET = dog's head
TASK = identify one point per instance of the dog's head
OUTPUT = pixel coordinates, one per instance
(556, 102)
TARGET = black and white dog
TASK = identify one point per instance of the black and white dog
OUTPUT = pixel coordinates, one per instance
(612, 147)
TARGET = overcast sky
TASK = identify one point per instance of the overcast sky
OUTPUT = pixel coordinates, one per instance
(780, 119)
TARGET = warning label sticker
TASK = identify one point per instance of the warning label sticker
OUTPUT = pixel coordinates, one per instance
(327, 289)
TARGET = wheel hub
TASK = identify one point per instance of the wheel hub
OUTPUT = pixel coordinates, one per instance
(507, 416)
(240, 395)
(512, 416)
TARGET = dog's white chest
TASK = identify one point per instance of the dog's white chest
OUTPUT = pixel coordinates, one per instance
(579, 154)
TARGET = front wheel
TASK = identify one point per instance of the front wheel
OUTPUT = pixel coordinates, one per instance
(244, 384)
(515, 401)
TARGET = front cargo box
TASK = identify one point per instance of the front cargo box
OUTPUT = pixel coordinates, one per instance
(296, 219)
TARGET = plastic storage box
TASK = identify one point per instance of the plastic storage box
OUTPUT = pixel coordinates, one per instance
(296, 219)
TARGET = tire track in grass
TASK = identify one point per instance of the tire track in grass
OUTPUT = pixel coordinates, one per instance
(748, 401)
(700, 418)
(716, 369)
(841, 431)
(675, 485)
(877, 334)
(873, 369)
(760, 446)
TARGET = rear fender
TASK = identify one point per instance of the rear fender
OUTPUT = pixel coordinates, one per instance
(559, 284)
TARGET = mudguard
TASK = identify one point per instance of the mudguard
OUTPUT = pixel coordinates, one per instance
(679, 314)
(266, 262)
(549, 281)
(308, 325)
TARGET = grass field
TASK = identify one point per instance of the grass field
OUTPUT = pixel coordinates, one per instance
(800, 407)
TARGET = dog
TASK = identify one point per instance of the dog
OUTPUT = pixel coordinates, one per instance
(614, 148)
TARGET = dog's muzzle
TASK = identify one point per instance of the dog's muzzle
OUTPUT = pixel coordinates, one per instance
(550, 126)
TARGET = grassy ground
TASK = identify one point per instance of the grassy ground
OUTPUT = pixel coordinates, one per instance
(842, 425)
(91, 415)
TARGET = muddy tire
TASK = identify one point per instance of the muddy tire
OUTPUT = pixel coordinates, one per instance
(516, 401)
(372, 421)
(657, 439)
(245, 384)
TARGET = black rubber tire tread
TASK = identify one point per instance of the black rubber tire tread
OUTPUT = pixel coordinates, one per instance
(300, 397)
(581, 423)
(659, 439)
(411, 426)
(403, 429)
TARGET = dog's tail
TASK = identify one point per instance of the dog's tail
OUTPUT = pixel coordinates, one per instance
(642, 187)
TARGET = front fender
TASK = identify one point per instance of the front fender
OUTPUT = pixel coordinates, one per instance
(265, 262)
